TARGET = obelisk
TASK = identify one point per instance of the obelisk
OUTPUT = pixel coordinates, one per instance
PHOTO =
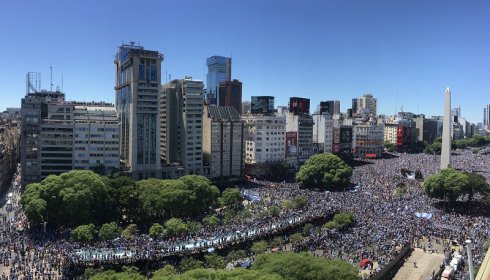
(446, 131)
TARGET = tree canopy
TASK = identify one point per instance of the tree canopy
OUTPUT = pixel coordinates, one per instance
(277, 266)
(82, 197)
(450, 184)
(324, 171)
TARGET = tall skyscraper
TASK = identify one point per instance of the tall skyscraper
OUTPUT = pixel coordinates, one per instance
(181, 113)
(486, 117)
(219, 70)
(230, 94)
(138, 77)
(446, 131)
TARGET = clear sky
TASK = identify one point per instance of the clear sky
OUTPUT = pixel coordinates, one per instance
(403, 52)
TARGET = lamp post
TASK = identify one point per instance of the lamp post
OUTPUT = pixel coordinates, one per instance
(470, 259)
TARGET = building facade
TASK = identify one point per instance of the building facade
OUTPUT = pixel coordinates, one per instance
(486, 117)
(366, 104)
(264, 138)
(368, 140)
(230, 94)
(219, 70)
(138, 77)
(181, 111)
(330, 107)
(34, 107)
(322, 133)
(95, 137)
(222, 142)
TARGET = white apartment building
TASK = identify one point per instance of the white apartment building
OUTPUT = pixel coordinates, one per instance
(264, 138)
(96, 136)
(323, 133)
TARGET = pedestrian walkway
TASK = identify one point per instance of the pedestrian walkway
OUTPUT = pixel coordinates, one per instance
(426, 263)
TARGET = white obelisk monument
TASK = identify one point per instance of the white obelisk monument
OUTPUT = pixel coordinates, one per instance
(446, 131)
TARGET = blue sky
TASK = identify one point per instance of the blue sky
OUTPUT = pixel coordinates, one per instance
(403, 52)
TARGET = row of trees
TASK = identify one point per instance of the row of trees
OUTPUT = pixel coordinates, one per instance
(450, 184)
(474, 142)
(83, 197)
(275, 266)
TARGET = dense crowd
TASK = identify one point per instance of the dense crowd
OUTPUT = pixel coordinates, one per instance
(384, 224)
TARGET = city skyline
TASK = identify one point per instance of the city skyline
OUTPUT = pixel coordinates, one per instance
(405, 54)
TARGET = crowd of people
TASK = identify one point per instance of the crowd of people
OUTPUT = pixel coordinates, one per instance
(385, 223)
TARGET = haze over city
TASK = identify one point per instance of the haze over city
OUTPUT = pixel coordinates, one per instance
(404, 53)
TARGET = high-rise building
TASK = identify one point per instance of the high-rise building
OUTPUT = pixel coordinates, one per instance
(230, 94)
(222, 142)
(138, 77)
(322, 133)
(366, 104)
(58, 136)
(486, 117)
(299, 131)
(330, 107)
(95, 136)
(34, 107)
(219, 70)
(246, 107)
(181, 112)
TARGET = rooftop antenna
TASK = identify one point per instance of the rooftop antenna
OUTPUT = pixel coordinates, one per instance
(51, 70)
(61, 82)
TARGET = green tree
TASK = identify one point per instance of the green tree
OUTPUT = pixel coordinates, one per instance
(128, 273)
(259, 247)
(109, 231)
(211, 220)
(287, 204)
(70, 199)
(274, 211)
(231, 197)
(235, 255)
(83, 233)
(304, 267)
(299, 202)
(306, 229)
(156, 230)
(175, 226)
(193, 226)
(389, 146)
(448, 183)
(130, 231)
(190, 263)
(277, 170)
(234, 274)
(214, 261)
(324, 171)
(476, 184)
(168, 271)
(434, 148)
(277, 242)
(295, 237)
